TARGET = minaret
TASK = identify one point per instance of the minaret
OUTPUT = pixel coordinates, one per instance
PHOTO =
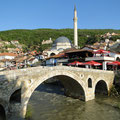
(75, 28)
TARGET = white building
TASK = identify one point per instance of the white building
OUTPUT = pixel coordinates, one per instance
(47, 41)
(115, 55)
(104, 59)
(58, 46)
(7, 56)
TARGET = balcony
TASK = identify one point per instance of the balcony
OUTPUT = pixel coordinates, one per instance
(100, 58)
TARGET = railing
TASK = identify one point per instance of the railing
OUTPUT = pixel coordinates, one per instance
(100, 58)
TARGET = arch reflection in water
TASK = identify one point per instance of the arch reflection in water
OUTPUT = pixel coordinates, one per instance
(2, 113)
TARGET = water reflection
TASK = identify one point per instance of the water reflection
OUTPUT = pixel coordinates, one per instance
(48, 102)
(2, 113)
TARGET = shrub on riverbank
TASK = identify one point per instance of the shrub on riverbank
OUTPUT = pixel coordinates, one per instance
(29, 113)
(113, 92)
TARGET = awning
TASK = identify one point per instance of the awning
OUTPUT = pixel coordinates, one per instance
(100, 51)
(76, 63)
(114, 63)
(92, 63)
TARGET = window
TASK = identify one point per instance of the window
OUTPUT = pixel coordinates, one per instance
(89, 83)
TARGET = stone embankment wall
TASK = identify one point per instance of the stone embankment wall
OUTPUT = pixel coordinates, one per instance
(117, 77)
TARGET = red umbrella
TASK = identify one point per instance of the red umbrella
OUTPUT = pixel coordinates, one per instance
(75, 63)
(101, 51)
(114, 63)
(92, 63)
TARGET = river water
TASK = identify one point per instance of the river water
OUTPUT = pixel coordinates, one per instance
(49, 103)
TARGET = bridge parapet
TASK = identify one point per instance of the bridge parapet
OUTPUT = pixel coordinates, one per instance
(28, 71)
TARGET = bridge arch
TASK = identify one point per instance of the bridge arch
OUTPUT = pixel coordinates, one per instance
(101, 87)
(61, 75)
(2, 113)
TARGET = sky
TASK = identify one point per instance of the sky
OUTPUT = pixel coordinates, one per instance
(58, 14)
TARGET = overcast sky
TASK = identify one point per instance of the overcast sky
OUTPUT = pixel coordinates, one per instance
(58, 14)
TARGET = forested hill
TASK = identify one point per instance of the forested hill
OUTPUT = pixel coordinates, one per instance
(33, 38)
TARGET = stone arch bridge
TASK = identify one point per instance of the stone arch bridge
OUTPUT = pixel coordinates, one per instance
(17, 86)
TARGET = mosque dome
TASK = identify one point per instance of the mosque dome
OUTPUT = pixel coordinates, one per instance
(62, 40)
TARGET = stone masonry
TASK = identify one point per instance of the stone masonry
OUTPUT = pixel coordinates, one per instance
(27, 80)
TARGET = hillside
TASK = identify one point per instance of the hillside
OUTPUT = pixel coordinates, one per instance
(32, 38)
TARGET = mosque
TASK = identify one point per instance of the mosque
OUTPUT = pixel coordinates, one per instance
(63, 43)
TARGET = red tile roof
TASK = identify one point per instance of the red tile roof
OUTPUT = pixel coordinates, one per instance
(8, 54)
(60, 55)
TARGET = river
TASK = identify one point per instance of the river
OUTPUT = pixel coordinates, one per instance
(49, 103)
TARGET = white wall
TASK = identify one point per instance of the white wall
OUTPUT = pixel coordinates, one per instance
(115, 55)
(6, 57)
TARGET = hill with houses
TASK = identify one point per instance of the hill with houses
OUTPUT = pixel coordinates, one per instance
(30, 40)
(23, 48)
